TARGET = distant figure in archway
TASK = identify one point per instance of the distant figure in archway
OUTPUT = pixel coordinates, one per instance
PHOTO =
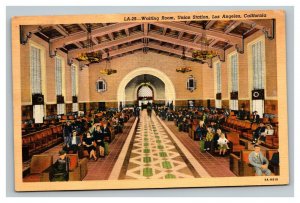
(149, 109)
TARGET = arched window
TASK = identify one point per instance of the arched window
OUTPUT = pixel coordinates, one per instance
(145, 91)
(101, 85)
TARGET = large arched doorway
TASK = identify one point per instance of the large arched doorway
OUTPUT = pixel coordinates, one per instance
(125, 91)
(145, 96)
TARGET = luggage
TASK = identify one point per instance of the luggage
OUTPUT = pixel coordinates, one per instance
(106, 148)
(202, 145)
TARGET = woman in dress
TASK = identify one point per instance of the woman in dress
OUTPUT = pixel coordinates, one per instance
(88, 143)
(268, 131)
(223, 144)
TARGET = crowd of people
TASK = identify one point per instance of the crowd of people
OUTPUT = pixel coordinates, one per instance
(206, 125)
(93, 135)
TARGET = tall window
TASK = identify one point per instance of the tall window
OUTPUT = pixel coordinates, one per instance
(58, 75)
(35, 70)
(258, 74)
(59, 83)
(234, 80)
(74, 80)
(219, 84)
(257, 66)
(36, 81)
(74, 86)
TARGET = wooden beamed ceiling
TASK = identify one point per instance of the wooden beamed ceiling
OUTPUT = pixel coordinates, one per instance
(171, 38)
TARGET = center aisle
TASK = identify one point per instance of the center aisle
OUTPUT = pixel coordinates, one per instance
(154, 155)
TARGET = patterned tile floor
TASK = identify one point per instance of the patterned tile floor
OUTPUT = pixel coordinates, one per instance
(153, 154)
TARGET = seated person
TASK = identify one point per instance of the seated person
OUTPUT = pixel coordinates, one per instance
(74, 143)
(268, 131)
(255, 117)
(106, 132)
(242, 114)
(99, 139)
(88, 144)
(257, 133)
(223, 144)
(208, 139)
(260, 163)
(60, 169)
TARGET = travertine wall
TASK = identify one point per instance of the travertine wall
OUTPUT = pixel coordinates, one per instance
(204, 75)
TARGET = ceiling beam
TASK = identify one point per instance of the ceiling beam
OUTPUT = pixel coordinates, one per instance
(176, 41)
(169, 50)
(213, 43)
(123, 50)
(232, 26)
(78, 45)
(196, 31)
(111, 36)
(94, 40)
(83, 27)
(146, 28)
(197, 38)
(61, 30)
(105, 45)
(127, 32)
(180, 35)
(164, 31)
(96, 32)
(209, 24)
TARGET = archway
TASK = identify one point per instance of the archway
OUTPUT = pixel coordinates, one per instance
(145, 96)
(170, 94)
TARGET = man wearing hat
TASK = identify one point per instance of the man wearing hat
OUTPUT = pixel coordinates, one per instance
(259, 161)
(60, 169)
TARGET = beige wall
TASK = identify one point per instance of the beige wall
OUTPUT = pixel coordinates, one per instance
(128, 63)
(49, 76)
(204, 75)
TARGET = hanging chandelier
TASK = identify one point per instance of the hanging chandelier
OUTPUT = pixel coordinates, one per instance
(108, 70)
(204, 53)
(184, 68)
(90, 56)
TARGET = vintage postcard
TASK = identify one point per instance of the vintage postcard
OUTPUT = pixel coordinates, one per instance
(150, 100)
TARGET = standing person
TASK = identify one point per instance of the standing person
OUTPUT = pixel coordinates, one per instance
(149, 110)
(88, 143)
(223, 144)
(137, 111)
(259, 161)
(60, 169)
(242, 114)
(200, 130)
(171, 105)
(67, 133)
(258, 132)
(208, 139)
(99, 139)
